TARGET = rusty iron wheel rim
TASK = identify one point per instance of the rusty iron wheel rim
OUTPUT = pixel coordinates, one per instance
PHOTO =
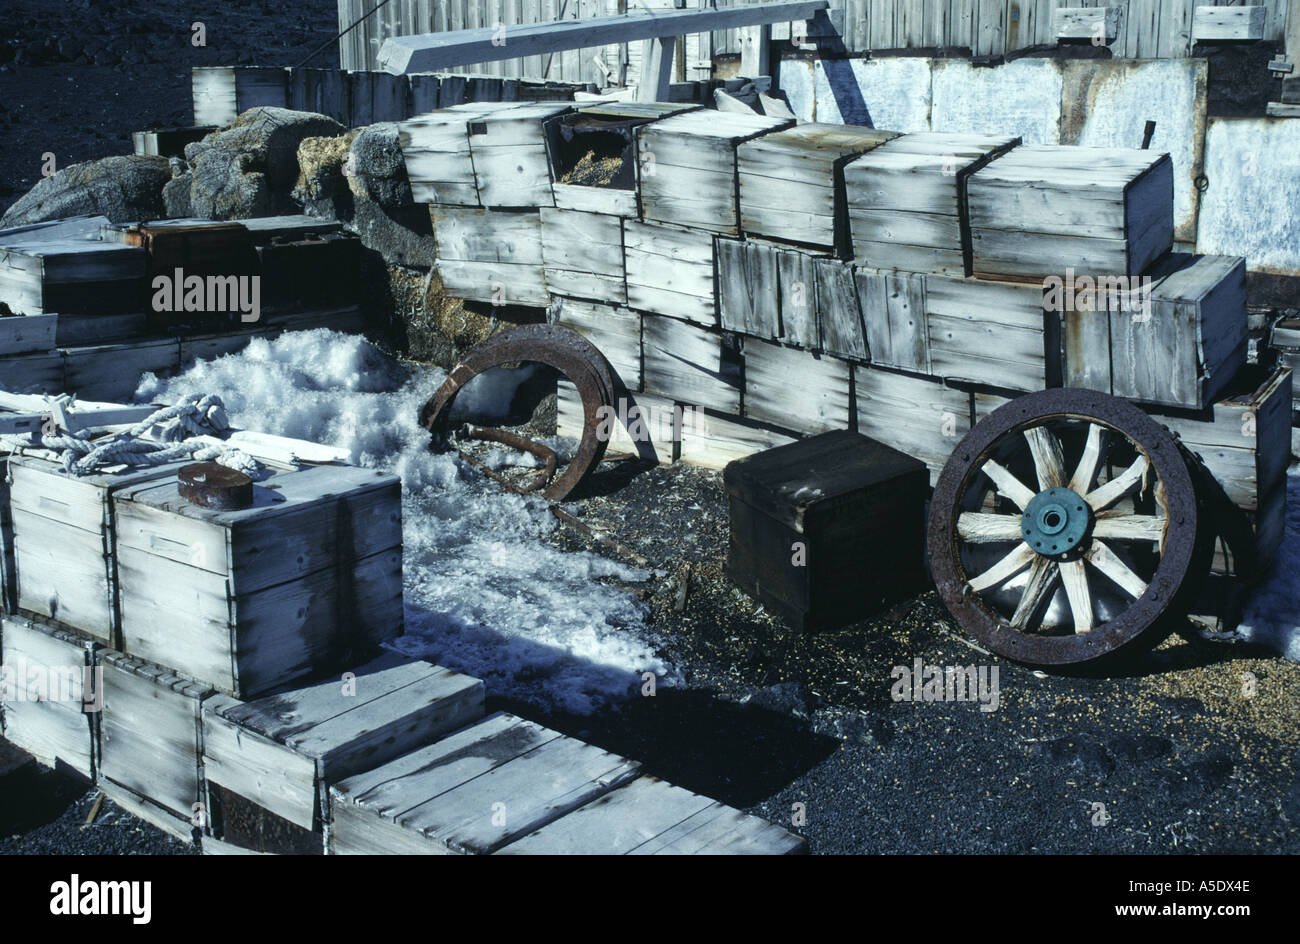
(965, 475)
(557, 347)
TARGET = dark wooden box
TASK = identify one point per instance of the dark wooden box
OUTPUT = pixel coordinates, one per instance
(855, 505)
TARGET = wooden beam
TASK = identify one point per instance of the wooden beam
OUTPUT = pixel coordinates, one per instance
(432, 52)
(756, 51)
(656, 69)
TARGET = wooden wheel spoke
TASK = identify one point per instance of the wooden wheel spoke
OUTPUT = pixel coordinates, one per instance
(1129, 527)
(1075, 578)
(1042, 580)
(981, 528)
(1106, 495)
(1008, 485)
(1086, 470)
(1049, 463)
(1104, 559)
(1003, 570)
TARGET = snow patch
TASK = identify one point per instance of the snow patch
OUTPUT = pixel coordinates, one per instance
(485, 594)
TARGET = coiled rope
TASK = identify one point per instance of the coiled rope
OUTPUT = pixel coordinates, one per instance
(204, 416)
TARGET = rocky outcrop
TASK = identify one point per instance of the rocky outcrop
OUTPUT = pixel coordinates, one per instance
(124, 189)
(360, 178)
(249, 168)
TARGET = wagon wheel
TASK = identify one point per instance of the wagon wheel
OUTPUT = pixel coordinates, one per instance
(1064, 528)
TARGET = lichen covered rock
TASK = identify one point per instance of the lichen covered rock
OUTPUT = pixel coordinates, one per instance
(124, 189)
(249, 168)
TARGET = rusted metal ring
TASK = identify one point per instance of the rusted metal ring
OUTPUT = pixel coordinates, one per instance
(561, 348)
(1147, 618)
(523, 444)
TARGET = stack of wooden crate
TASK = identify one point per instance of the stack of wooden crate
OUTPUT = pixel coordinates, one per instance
(81, 310)
(768, 281)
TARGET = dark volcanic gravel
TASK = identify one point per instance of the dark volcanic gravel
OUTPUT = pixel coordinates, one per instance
(1173, 757)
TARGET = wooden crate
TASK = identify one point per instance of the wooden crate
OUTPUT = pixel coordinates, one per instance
(63, 541)
(471, 793)
(1043, 210)
(222, 93)
(583, 254)
(652, 817)
(375, 97)
(920, 417)
(641, 424)
(792, 183)
(688, 364)
(796, 389)
(28, 334)
(1189, 343)
(307, 577)
(670, 271)
(435, 147)
(826, 530)
(33, 373)
(1244, 438)
(112, 371)
(508, 147)
(150, 738)
(893, 314)
(605, 132)
(322, 92)
(1238, 23)
(491, 255)
(689, 177)
(49, 711)
(614, 330)
(8, 577)
(711, 440)
(907, 200)
(839, 312)
(994, 333)
(72, 276)
(274, 758)
(749, 297)
(313, 272)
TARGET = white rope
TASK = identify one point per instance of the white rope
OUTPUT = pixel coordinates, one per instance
(170, 428)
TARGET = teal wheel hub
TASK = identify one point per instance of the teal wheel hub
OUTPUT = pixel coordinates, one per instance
(1056, 521)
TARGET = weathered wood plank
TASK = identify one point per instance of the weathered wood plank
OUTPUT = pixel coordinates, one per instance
(893, 311)
(796, 389)
(686, 363)
(670, 271)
